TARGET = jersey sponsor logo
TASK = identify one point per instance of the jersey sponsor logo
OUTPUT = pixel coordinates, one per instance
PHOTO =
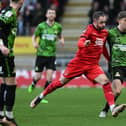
(99, 42)
(50, 37)
(120, 47)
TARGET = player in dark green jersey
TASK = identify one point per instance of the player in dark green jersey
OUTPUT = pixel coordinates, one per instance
(8, 26)
(48, 33)
(117, 42)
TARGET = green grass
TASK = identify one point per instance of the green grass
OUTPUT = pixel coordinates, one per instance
(66, 107)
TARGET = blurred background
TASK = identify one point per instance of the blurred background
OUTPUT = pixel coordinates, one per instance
(74, 15)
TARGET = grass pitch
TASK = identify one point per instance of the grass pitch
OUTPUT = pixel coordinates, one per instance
(66, 107)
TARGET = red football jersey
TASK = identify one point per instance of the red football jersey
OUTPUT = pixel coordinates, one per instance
(91, 54)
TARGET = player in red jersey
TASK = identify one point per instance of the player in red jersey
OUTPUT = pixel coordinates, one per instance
(90, 47)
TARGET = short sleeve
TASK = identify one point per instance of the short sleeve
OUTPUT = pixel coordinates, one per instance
(60, 29)
(37, 31)
(86, 32)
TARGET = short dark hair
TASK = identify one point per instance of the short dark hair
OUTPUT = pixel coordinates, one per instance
(121, 14)
(98, 14)
(14, 1)
(51, 9)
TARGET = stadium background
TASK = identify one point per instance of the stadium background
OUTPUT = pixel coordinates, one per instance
(74, 15)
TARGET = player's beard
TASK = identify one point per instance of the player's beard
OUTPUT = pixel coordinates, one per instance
(100, 28)
(51, 19)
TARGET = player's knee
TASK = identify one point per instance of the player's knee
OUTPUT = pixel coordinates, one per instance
(104, 81)
(64, 80)
(117, 92)
(37, 78)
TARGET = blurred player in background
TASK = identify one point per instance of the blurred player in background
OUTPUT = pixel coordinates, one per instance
(117, 42)
(8, 26)
(90, 47)
(48, 33)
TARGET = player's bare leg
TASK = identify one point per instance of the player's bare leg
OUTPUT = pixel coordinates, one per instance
(53, 86)
(49, 76)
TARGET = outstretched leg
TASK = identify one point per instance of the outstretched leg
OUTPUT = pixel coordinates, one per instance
(51, 87)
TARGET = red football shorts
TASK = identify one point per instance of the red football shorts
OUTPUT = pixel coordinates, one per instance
(76, 68)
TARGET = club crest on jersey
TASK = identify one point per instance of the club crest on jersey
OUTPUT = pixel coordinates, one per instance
(8, 14)
(2, 11)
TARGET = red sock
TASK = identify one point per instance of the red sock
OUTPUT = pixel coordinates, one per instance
(51, 87)
(108, 94)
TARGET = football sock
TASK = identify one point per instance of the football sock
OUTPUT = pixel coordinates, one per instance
(106, 108)
(1, 114)
(51, 87)
(10, 97)
(108, 94)
(112, 107)
(34, 82)
(46, 84)
(9, 114)
(2, 92)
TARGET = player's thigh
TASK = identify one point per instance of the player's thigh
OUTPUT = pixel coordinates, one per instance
(37, 75)
(102, 79)
(10, 80)
(2, 80)
(97, 74)
(39, 64)
(73, 70)
(65, 80)
(49, 74)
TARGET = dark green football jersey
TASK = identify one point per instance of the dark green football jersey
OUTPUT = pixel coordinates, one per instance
(47, 38)
(117, 40)
(8, 27)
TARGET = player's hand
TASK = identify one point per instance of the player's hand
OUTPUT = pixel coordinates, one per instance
(62, 43)
(4, 50)
(35, 45)
(87, 42)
